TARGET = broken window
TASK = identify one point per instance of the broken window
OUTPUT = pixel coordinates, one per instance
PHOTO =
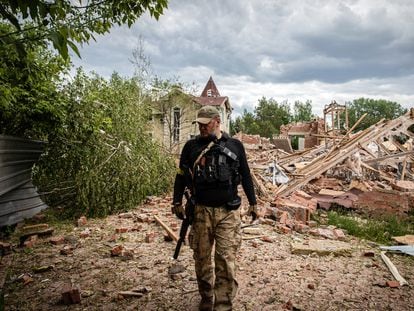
(176, 124)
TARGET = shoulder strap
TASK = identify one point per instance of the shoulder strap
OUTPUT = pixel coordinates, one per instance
(205, 150)
(227, 151)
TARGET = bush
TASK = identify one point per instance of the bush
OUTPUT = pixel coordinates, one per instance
(102, 160)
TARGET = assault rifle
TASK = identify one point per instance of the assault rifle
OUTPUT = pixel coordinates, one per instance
(188, 220)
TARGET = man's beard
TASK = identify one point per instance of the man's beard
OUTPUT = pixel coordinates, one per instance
(209, 137)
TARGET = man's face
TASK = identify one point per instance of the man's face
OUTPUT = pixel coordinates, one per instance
(208, 129)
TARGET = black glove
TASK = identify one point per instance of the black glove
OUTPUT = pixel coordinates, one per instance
(252, 211)
(178, 210)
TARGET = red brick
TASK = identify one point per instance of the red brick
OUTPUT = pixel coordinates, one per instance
(31, 241)
(301, 227)
(121, 230)
(127, 253)
(267, 239)
(117, 250)
(340, 235)
(70, 295)
(284, 229)
(82, 221)
(57, 240)
(393, 284)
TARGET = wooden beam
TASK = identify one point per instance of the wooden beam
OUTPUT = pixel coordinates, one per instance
(166, 228)
(393, 269)
(404, 168)
(390, 156)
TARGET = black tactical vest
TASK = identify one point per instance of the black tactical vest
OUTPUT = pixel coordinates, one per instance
(217, 168)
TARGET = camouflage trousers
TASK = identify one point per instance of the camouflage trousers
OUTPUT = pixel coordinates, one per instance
(220, 229)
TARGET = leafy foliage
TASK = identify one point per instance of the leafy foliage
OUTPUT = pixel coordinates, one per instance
(376, 109)
(266, 120)
(30, 101)
(65, 22)
(102, 160)
(302, 111)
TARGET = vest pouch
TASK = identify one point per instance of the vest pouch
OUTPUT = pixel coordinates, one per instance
(233, 204)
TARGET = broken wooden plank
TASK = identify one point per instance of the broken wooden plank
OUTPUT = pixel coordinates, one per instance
(393, 269)
(166, 228)
(389, 156)
(259, 186)
(40, 233)
(38, 227)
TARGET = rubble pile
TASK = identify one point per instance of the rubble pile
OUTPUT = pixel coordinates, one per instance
(370, 171)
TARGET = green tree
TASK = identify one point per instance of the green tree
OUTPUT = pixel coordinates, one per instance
(31, 104)
(66, 22)
(245, 123)
(270, 115)
(376, 109)
(266, 119)
(302, 111)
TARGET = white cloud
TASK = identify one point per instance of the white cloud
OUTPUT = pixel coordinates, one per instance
(289, 50)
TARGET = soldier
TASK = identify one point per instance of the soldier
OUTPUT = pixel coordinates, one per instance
(212, 165)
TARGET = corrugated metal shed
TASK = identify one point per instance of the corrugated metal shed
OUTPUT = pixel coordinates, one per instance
(18, 196)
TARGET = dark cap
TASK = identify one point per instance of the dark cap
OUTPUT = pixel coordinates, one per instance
(205, 114)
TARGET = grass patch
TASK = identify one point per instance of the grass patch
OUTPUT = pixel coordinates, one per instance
(379, 230)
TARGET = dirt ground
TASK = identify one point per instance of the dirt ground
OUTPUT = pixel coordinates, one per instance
(270, 276)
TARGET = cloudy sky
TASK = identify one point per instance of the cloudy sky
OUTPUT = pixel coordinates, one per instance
(316, 50)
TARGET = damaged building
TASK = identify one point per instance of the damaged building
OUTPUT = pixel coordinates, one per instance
(370, 171)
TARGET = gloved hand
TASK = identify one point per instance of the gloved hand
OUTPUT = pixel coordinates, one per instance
(252, 211)
(178, 210)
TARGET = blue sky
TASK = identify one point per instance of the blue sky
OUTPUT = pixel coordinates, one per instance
(288, 50)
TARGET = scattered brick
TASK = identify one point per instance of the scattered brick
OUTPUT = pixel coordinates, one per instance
(27, 278)
(112, 238)
(57, 240)
(121, 230)
(267, 239)
(393, 284)
(70, 295)
(284, 229)
(143, 218)
(150, 237)
(82, 221)
(340, 235)
(117, 250)
(31, 241)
